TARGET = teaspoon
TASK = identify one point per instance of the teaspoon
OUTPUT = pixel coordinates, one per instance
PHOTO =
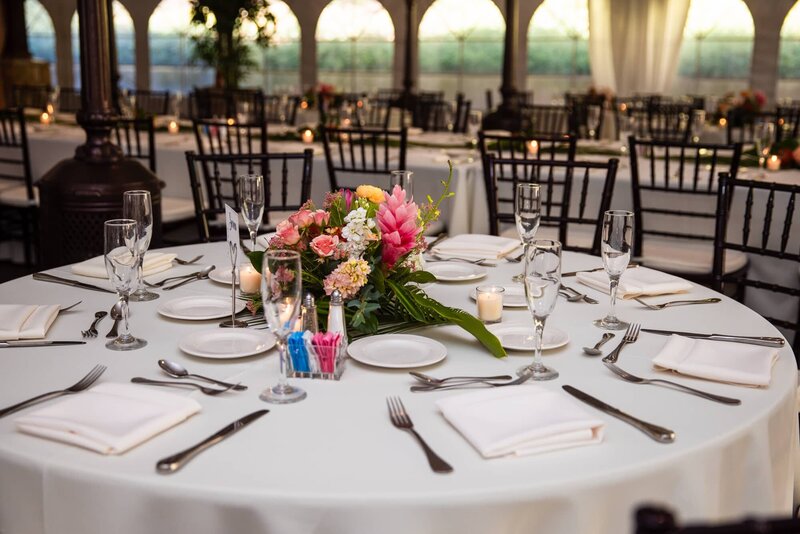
(176, 370)
(595, 351)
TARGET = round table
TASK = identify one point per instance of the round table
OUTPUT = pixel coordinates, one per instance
(334, 463)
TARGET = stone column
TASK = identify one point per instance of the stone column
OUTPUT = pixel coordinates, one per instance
(768, 19)
(141, 22)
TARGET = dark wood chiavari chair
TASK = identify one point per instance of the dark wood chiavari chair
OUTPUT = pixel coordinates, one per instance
(787, 122)
(461, 113)
(220, 136)
(242, 105)
(546, 119)
(740, 126)
(31, 96)
(281, 109)
(581, 107)
(19, 202)
(136, 138)
(547, 147)
(660, 521)
(150, 103)
(336, 109)
(363, 151)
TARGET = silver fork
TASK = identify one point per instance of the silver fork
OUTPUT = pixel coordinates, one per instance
(188, 262)
(165, 280)
(625, 375)
(631, 335)
(80, 385)
(481, 262)
(92, 330)
(433, 381)
(205, 389)
(69, 307)
(401, 420)
(522, 378)
(676, 303)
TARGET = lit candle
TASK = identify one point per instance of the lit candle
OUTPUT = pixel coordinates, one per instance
(231, 121)
(304, 104)
(173, 127)
(346, 123)
(307, 136)
(45, 118)
(723, 121)
(533, 147)
(50, 109)
(249, 280)
(774, 163)
(490, 303)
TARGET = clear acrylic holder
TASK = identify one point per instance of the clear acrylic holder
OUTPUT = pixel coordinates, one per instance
(338, 366)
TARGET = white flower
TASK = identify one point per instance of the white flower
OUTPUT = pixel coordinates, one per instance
(358, 232)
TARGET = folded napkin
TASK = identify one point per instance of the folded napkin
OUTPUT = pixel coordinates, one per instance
(154, 262)
(110, 418)
(722, 361)
(521, 420)
(26, 321)
(476, 246)
(637, 282)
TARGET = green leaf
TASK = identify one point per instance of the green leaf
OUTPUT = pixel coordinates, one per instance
(256, 258)
(421, 277)
(406, 299)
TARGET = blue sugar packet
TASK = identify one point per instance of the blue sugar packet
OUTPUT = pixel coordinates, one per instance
(297, 352)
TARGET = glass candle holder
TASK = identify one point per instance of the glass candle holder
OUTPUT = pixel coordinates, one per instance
(490, 303)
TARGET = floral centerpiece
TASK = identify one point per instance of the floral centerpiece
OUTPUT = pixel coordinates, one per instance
(741, 108)
(368, 244)
(788, 151)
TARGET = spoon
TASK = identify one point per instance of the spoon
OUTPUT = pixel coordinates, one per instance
(176, 370)
(202, 275)
(570, 297)
(116, 314)
(595, 351)
(432, 380)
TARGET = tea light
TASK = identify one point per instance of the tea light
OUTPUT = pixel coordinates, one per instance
(304, 104)
(249, 280)
(50, 109)
(774, 163)
(173, 127)
(533, 147)
(490, 303)
(45, 118)
(307, 136)
(723, 122)
(231, 121)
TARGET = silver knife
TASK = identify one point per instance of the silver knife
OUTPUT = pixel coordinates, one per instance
(170, 464)
(631, 265)
(752, 340)
(44, 277)
(37, 343)
(658, 433)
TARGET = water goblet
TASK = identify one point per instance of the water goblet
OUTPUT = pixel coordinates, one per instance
(281, 291)
(474, 122)
(251, 201)
(122, 260)
(616, 250)
(527, 212)
(593, 121)
(542, 280)
(137, 205)
(405, 180)
(763, 137)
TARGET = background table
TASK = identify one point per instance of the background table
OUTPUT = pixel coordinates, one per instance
(334, 463)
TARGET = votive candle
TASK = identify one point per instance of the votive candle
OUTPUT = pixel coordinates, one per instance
(533, 147)
(307, 136)
(173, 127)
(45, 118)
(490, 303)
(774, 163)
(249, 280)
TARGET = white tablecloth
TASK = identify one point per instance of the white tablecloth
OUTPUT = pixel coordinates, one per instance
(334, 464)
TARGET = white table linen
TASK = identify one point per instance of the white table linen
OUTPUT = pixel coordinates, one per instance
(26, 321)
(334, 463)
(154, 263)
(637, 282)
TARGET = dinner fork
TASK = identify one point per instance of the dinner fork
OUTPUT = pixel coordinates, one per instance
(80, 385)
(625, 375)
(205, 389)
(401, 420)
(480, 261)
(188, 262)
(92, 330)
(676, 303)
(433, 381)
(522, 378)
(631, 335)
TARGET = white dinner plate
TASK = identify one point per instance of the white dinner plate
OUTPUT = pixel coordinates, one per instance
(397, 351)
(455, 271)
(519, 336)
(226, 343)
(263, 240)
(223, 276)
(199, 308)
(513, 297)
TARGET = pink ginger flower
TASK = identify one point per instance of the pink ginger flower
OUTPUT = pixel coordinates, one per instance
(397, 220)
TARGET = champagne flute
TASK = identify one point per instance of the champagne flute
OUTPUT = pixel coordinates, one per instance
(527, 212)
(474, 122)
(616, 249)
(593, 121)
(405, 180)
(542, 280)
(281, 290)
(122, 260)
(763, 137)
(137, 205)
(251, 201)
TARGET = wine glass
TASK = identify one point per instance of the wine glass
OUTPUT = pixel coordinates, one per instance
(251, 201)
(281, 290)
(474, 121)
(763, 137)
(137, 205)
(542, 280)
(404, 180)
(527, 212)
(122, 260)
(698, 123)
(616, 249)
(593, 121)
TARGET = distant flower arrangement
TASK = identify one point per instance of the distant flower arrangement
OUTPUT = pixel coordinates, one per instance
(744, 106)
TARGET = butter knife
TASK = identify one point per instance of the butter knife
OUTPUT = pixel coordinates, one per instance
(37, 343)
(751, 340)
(44, 277)
(170, 464)
(660, 434)
(631, 265)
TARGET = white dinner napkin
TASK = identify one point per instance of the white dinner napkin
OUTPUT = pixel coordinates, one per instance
(154, 262)
(110, 418)
(477, 246)
(722, 361)
(520, 421)
(26, 321)
(637, 282)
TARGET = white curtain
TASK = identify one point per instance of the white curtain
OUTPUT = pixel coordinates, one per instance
(634, 44)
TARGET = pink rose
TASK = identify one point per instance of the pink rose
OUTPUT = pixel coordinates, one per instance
(302, 219)
(325, 245)
(287, 233)
(321, 217)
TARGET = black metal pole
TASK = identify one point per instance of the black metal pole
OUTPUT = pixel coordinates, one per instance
(508, 116)
(112, 47)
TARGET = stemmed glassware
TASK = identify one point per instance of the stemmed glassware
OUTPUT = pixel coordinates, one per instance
(404, 180)
(137, 205)
(474, 122)
(281, 291)
(616, 250)
(122, 260)
(593, 121)
(542, 281)
(763, 137)
(527, 212)
(251, 201)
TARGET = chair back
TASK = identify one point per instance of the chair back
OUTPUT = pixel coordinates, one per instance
(287, 186)
(741, 126)
(546, 119)
(662, 122)
(547, 147)
(575, 195)
(242, 105)
(15, 162)
(651, 520)
(363, 152)
(30, 96)
(136, 138)
(378, 113)
(787, 122)
(461, 113)
(775, 235)
(150, 103)
(581, 106)
(336, 109)
(218, 136)
(674, 187)
(281, 109)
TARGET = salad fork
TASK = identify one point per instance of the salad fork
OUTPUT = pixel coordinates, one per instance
(80, 385)
(433, 381)
(433, 387)
(482, 261)
(676, 303)
(631, 335)
(188, 262)
(401, 420)
(205, 389)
